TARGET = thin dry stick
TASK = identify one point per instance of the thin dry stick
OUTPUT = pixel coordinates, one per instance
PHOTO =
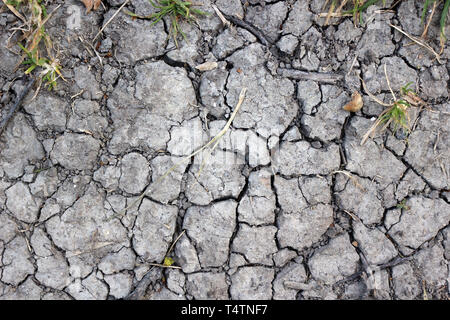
(419, 42)
(352, 65)
(176, 240)
(188, 157)
(163, 266)
(355, 182)
(110, 19)
(334, 15)
(94, 248)
(389, 83)
(315, 76)
(372, 96)
(225, 22)
(93, 48)
(417, 118)
(352, 215)
(17, 104)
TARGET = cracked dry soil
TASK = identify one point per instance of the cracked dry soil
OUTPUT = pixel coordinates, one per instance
(272, 215)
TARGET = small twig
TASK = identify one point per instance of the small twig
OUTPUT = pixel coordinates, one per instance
(110, 19)
(221, 17)
(297, 285)
(142, 285)
(163, 266)
(77, 94)
(93, 48)
(94, 248)
(16, 106)
(355, 182)
(315, 76)
(352, 65)
(396, 261)
(255, 31)
(436, 142)
(352, 215)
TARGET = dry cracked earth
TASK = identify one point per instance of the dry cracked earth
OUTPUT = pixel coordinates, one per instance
(289, 205)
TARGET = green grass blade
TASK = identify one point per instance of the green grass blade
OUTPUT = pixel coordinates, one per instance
(200, 12)
(444, 17)
(367, 4)
(424, 11)
(30, 69)
(155, 5)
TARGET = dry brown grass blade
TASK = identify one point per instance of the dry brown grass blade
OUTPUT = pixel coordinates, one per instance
(175, 242)
(425, 30)
(388, 82)
(352, 178)
(330, 11)
(372, 96)
(399, 109)
(36, 36)
(13, 10)
(163, 266)
(334, 15)
(419, 42)
(343, 3)
(352, 215)
(414, 99)
(374, 126)
(110, 19)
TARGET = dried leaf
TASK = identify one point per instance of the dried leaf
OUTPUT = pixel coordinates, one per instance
(207, 66)
(356, 103)
(414, 99)
(91, 4)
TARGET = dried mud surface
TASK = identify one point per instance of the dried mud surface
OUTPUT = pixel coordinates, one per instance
(274, 213)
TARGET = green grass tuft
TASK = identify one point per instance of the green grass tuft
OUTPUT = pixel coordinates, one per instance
(36, 44)
(175, 10)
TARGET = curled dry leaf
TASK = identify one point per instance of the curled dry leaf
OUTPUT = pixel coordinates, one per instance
(355, 104)
(206, 66)
(91, 4)
(414, 99)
